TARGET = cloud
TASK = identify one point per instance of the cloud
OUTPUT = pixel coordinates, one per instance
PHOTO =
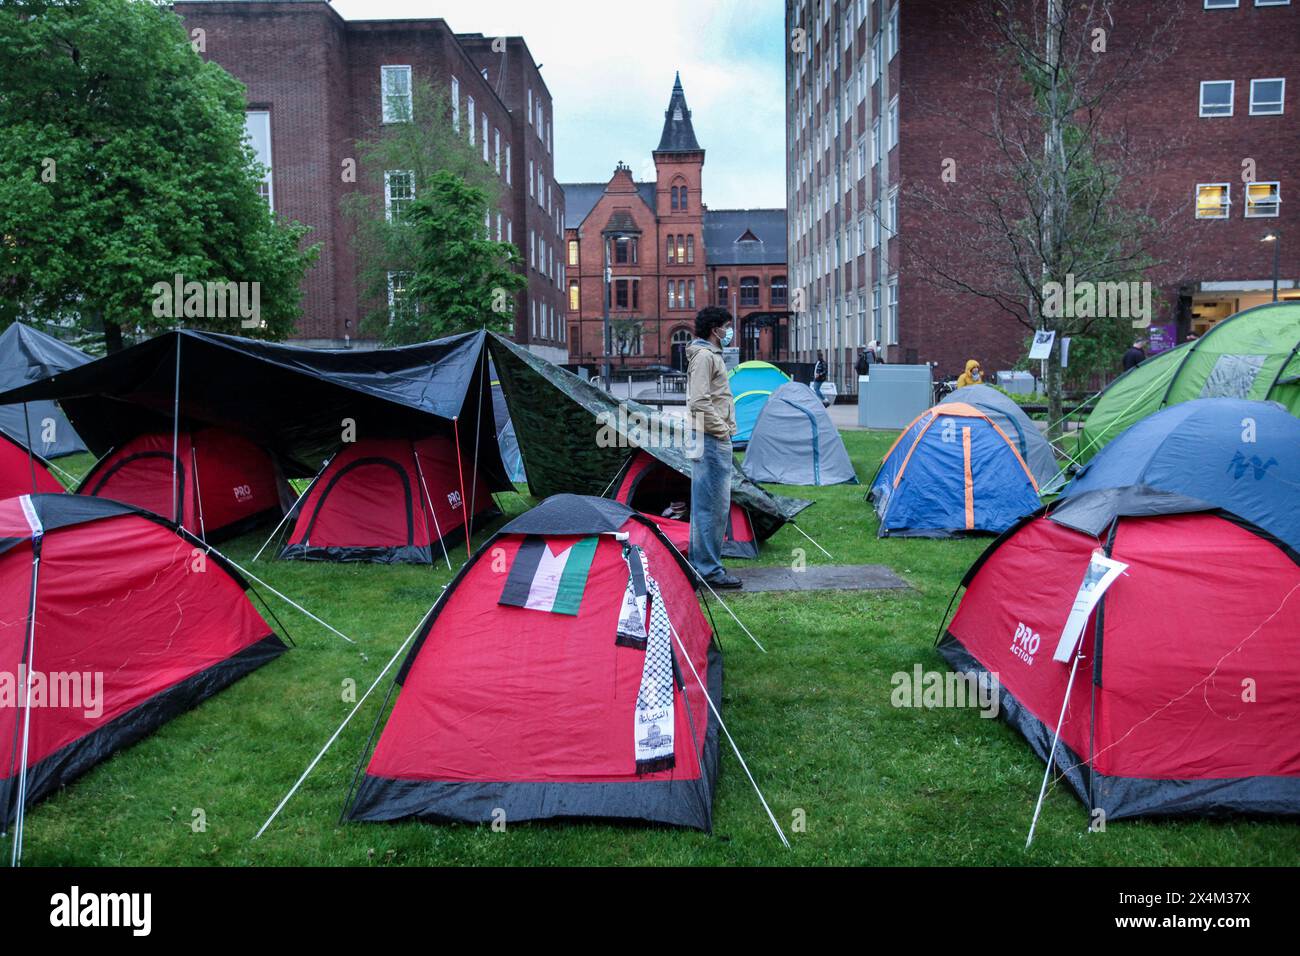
(610, 71)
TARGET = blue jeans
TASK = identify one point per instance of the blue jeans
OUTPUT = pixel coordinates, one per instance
(710, 504)
(817, 388)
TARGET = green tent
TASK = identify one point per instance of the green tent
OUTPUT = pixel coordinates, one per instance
(1255, 354)
(574, 437)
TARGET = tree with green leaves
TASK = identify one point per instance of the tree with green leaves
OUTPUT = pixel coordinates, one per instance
(124, 165)
(625, 333)
(1054, 205)
(426, 260)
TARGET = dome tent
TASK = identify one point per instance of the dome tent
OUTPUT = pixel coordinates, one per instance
(952, 472)
(1238, 455)
(19, 471)
(526, 687)
(1003, 411)
(1156, 723)
(752, 384)
(1254, 354)
(795, 442)
(26, 355)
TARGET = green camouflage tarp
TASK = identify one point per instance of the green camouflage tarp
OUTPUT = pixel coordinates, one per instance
(574, 437)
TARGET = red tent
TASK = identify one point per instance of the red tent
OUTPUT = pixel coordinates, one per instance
(126, 628)
(388, 500)
(530, 692)
(650, 486)
(224, 483)
(17, 469)
(1188, 693)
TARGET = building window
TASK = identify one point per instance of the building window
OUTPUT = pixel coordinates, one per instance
(399, 304)
(486, 155)
(395, 87)
(455, 104)
(399, 191)
(1266, 96)
(672, 294)
(500, 228)
(469, 112)
(622, 250)
(532, 249)
(672, 250)
(749, 296)
(893, 311)
(532, 184)
(1216, 97)
(690, 248)
(891, 33)
(683, 199)
(496, 149)
(893, 122)
(508, 178)
(620, 294)
(875, 141)
(780, 292)
(876, 61)
(674, 199)
(1272, 3)
(681, 249)
(724, 292)
(893, 212)
(690, 294)
(875, 225)
(530, 108)
(876, 332)
(573, 252)
(1213, 200)
(681, 293)
(257, 130)
(1263, 200)
(541, 117)
(1221, 4)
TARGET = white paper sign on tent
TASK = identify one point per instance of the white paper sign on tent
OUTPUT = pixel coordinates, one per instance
(1101, 572)
(1042, 346)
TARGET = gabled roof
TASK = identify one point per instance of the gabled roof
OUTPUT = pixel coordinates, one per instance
(581, 198)
(678, 135)
(744, 236)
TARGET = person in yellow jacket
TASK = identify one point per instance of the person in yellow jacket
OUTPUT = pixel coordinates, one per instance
(712, 415)
(972, 376)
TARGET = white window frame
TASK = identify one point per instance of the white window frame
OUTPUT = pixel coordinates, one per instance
(388, 191)
(891, 35)
(1227, 201)
(1232, 98)
(469, 114)
(532, 182)
(455, 104)
(891, 311)
(1275, 202)
(508, 172)
(391, 279)
(1281, 102)
(893, 122)
(1272, 3)
(487, 157)
(1230, 5)
(496, 149)
(384, 95)
(530, 106)
(267, 180)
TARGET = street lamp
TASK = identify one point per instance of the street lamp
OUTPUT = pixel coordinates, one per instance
(1276, 239)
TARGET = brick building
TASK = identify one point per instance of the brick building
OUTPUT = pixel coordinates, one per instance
(873, 99)
(668, 255)
(317, 84)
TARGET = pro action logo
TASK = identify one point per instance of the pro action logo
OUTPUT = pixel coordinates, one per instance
(1025, 643)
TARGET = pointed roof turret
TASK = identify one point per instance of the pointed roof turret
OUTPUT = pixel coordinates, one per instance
(679, 134)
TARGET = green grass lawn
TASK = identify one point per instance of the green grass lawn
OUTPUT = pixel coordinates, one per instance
(875, 784)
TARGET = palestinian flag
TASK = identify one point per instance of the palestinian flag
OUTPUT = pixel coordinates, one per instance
(545, 581)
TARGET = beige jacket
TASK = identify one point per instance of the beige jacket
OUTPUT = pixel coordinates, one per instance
(708, 390)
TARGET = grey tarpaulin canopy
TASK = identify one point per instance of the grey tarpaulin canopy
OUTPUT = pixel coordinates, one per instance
(575, 437)
(794, 442)
(1029, 440)
(26, 355)
(289, 400)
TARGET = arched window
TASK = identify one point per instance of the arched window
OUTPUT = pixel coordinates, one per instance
(682, 336)
(674, 197)
(683, 199)
(749, 292)
(724, 292)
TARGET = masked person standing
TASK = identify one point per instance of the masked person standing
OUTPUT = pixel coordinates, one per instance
(712, 415)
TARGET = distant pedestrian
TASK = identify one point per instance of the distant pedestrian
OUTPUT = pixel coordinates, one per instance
(712, 413)
(1135, 355)
(973, 375)
(863, 365)
(819, 375)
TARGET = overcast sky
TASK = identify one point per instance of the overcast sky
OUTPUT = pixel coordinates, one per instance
(610, 70)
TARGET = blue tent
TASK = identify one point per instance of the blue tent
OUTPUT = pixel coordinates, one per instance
(752, 384)
(952, 472)
(1239, 455)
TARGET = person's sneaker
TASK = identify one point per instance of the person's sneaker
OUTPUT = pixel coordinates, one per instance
(724, 580)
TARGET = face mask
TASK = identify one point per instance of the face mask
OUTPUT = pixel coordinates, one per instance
(727, 336)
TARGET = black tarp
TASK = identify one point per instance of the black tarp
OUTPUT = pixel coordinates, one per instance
(27, 355)
(292, 401)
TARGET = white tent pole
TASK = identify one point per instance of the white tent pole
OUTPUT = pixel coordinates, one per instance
(1051, 754)
(294, 508)
(198, 489)
(812, 539)
(20, 815)
(428, 501)
(346, 720)
(176, 431)
(731, 740)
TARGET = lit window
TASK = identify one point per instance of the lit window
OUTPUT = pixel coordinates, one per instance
(1263, 200)
(1216, 97)
(573, 252)
(1266, 96)
(399, 191)
(574, 300)
(395, 86)
(1213, 200)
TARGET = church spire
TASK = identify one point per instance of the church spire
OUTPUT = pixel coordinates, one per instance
(679, 134)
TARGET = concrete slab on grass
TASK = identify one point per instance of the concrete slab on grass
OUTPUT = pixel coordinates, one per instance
(821, 577)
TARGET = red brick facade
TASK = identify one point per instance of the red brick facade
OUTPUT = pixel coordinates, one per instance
(319, 77)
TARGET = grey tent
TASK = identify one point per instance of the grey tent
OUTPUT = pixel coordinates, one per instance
(26, 355)
(794, 442)
(506, 440)
(1029, 440)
